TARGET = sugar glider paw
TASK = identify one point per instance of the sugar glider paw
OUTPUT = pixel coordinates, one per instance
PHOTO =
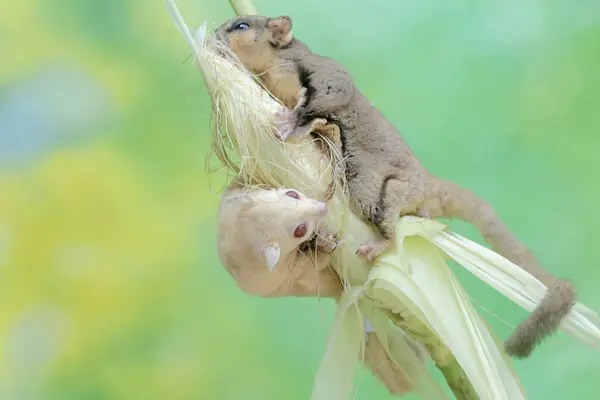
(328, 242)
(370, 251)
(285, 122)
(330, 131)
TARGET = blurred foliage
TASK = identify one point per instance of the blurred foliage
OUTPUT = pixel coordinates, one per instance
(109, 281)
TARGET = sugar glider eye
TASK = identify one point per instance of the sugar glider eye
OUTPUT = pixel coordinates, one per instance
(300, 231)
(292, 194)
(242, 26)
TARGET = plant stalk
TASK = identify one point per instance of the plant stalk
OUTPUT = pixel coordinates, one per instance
(243, 7)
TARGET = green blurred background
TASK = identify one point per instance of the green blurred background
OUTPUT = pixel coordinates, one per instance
(110, 287)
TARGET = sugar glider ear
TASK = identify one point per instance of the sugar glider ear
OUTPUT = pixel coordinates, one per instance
(245, 201)
(281, 29)
(272, 253)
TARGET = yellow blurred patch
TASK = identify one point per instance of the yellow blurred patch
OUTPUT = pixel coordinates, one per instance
(87, 236)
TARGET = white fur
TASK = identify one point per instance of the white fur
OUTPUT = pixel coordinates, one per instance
(256, 243)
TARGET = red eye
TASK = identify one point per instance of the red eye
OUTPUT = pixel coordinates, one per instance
(300, 231)
(292, 194)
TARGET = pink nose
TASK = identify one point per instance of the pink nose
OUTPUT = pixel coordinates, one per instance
(322, 209)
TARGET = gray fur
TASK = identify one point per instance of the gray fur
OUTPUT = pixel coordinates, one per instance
(385, 179)
(543, 321)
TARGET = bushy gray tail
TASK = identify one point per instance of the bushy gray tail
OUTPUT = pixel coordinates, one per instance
(457, 202)
(385, 369)
(543, 321)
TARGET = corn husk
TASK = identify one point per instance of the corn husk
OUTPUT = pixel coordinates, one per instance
(512, 281)
(416, 276)
(335, 376)
(411, 285)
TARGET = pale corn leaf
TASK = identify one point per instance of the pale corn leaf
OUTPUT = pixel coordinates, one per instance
(335, 377)
(336, 374)
(515, 283)
(416, 275)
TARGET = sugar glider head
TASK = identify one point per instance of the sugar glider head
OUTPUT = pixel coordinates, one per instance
(277, 221)
(255, 39)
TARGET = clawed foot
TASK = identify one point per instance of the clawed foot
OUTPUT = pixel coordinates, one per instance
(330, 131)
(285, 122)
(328, 242)
(370, 251)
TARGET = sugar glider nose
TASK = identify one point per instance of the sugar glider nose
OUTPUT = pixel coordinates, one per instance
(322, 209)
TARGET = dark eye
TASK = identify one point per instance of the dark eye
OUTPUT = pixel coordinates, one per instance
(300, 231)
(241, 26)
(292, 194)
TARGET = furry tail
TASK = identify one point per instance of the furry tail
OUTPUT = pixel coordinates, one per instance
(543, 321)
(397, 381)
(457, 202)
